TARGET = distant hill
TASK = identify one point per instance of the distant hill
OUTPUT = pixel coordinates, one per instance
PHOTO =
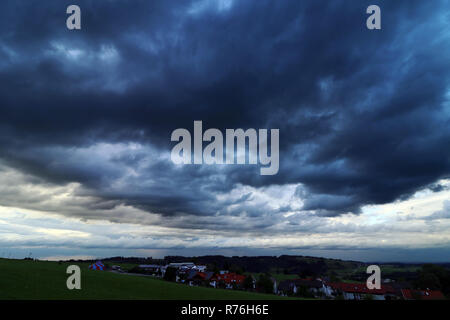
(285, 264)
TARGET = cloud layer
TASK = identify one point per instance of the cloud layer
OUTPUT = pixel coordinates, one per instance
(86, 116)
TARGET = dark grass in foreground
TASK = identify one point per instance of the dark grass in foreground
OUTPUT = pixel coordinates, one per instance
(23, 279)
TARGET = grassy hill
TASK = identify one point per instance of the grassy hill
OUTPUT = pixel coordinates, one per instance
(24, 279)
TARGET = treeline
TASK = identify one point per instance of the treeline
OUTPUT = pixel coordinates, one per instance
(135, 260)
(434, 277)
(300, 265)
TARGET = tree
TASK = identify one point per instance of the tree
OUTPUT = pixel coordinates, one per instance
(248, 283)
(171, 274)
(213, 267)
(339, 296)
(264, 284)
(434, 277)
(236, 269)
(428, 281)
(304, 292)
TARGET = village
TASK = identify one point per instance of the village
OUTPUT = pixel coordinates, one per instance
(191, 274)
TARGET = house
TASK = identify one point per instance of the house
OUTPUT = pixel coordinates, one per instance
(150, 268)
(229, 280)
(398, 286)
(185, 271)
(286, 287)
(163, 269)
(359, 291)
(199, 268)
(182, 270)
(181, 264)
(409, 294)
(196, 278)
(275, 285)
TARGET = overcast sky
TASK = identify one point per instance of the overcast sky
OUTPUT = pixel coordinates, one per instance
(364, 118)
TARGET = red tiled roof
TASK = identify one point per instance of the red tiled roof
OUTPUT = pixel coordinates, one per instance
(360, 288)
(200, 275)
(230, 278)
(409, 294)
(432, 295)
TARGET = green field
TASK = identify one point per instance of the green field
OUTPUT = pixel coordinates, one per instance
(24, 279)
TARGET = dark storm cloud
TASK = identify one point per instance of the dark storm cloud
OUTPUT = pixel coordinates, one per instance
(363, 115)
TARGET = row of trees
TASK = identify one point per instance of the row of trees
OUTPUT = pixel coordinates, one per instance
(434, 277)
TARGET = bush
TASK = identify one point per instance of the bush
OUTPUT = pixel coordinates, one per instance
(171, 274)
(264, 284)
(304, 292)
(434, 277)
(248, 283)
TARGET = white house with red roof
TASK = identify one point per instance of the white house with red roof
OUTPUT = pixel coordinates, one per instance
(359, 291)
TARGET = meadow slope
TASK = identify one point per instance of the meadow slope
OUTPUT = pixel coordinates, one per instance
(23, 279)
